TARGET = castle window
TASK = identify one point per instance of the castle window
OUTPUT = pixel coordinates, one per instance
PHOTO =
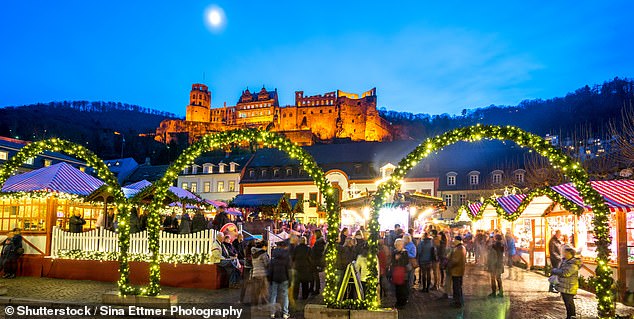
(329, 111)
(276, 172)
(251, 173)
(357, 169)
(321, 111)
(263, 173)
(289, 171)
(473, 179)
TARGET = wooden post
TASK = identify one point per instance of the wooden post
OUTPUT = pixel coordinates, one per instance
(621, 258)
(51, 219)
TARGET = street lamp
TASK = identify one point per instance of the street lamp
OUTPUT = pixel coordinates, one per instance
(122, 141)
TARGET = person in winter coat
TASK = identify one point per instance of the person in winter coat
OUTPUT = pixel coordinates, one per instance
(186, 224)
(76, 223)
(304, 268)
(554, 248)
(511, 251)
(135, 223)
(495, 266)
(317, 256)
(260, 259)
(279, 275)
(426, 256)
(361, 266)
(11, 252)
(456, 265)
(568, 277)
(198, 222)
(230, 262)
(410, 247)
(400, 260)
(347, 254)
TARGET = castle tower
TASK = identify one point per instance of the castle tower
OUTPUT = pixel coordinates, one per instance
(199, 106)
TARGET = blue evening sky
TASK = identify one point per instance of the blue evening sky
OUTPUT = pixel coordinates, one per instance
(423, 56)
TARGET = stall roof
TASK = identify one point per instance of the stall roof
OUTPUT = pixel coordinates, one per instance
(510, 203)
(60, 177)
(258, 200)
(618, 194)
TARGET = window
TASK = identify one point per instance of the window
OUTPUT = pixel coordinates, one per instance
(312, 220)
(30, 161)
(4, 155)
(232, 186)
(451, 180)
(276, 172)
(184, 186)
(263, 173)
(473, 179)
(221, 168)
(207, 187)
(82, 168)
(463, 199)
(630, 236)
(221, 187)
(27, 214)
(186, 170)
(47, 162)
(194, 187)
(519, 177)
(497, 178)
(448, 200)
(289, 172)
(251, 173)
(312, 198)
(300, 197)
(194, 169)
(232, 167)
(208, 169)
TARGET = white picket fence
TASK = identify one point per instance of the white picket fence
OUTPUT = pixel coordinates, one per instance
(108, 241)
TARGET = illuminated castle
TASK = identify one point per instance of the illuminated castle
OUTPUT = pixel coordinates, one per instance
(317, 118)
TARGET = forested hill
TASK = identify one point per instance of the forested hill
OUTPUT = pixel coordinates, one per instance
(589, 108)
(90, 123)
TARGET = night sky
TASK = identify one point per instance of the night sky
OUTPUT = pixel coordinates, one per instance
(423, 56)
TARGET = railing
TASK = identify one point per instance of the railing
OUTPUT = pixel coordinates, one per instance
(108, 241)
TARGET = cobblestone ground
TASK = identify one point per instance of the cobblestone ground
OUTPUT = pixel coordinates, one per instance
(526, 296)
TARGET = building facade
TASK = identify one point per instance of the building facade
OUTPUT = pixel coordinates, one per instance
(333, 115)
(214, 177)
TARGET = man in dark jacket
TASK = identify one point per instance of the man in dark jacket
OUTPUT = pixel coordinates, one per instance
(76, 223)
(221, 218)
(317, 256)
(427, 255)
(11, 253)
(279, 275)
(198, 222)
(303, 268)
(554, 249)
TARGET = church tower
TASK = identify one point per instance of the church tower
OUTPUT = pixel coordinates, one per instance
(199, 104)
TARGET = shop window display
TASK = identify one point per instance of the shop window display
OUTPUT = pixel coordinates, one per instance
(586, 242)
(630, 237)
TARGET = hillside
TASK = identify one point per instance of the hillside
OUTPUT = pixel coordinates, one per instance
(90, 123)
(588, 109)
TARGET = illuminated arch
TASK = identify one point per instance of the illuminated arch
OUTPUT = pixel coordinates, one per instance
(220, 140)
(58, 145)
(557, 159)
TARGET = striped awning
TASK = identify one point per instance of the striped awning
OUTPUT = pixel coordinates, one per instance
(618, 194)
(510, 203)
(474, 208)
(60, 177)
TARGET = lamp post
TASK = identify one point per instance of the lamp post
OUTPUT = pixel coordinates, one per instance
(122, 141)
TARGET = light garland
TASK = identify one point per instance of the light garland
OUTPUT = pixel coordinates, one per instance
(58, 145)
(40, 195)
(197, 259)
(514, 215)
(220, 140)
(558, 160)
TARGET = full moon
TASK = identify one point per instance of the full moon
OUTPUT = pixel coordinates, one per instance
(214, 18)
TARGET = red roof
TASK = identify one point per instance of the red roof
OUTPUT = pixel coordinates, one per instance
(618, 194)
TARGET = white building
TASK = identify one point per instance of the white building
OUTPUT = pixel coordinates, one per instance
(214, 177)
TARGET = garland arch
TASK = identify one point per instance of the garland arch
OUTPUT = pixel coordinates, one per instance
(103, 172)
(558, 160)
(219, 140)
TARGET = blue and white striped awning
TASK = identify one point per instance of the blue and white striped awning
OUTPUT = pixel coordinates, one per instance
(60, 177)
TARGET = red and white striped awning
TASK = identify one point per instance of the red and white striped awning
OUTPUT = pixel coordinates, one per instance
(60, 177)
(618, 194)
(510, 203)
(474, 208)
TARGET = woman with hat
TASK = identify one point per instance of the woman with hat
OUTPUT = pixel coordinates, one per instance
(568, 280)
(456, 266)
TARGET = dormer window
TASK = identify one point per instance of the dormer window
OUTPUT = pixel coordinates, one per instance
(194, 169)
(276, 172)
(232, 167)
(186, 170)
(263, 173)
(451, 178)
(474, 178)
(357, 169)
(251, 173)
(387, 170)
(496, 177)
(289, 172)
(519, 176)
(208, 168)
(221, 167)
